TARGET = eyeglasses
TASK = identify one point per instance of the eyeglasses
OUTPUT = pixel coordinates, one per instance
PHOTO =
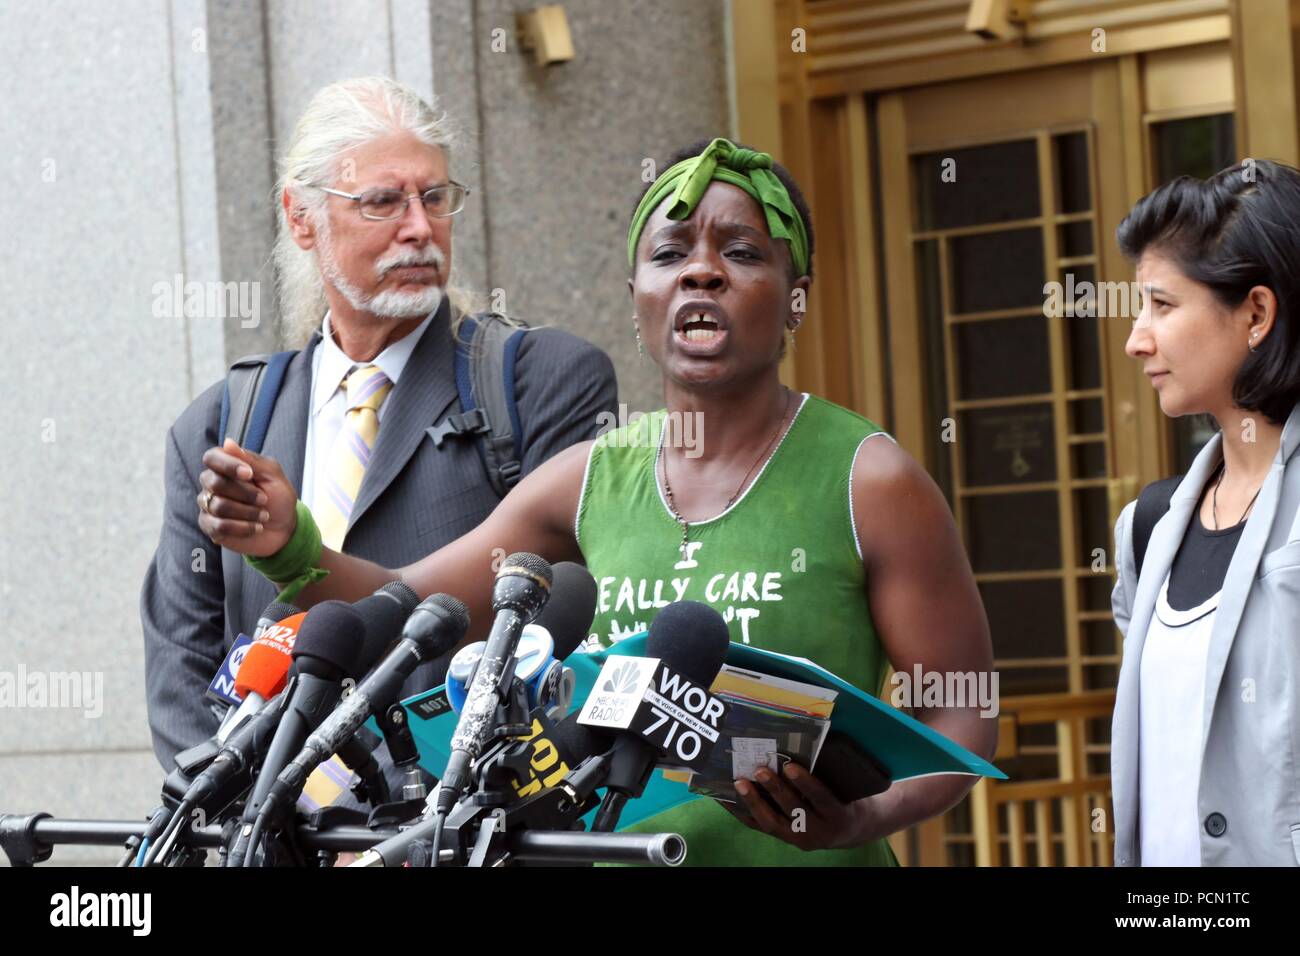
(384, 203)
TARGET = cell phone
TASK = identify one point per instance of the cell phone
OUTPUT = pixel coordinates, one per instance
(848, 771)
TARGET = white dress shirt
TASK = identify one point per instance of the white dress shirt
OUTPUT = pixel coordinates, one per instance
(330, 366)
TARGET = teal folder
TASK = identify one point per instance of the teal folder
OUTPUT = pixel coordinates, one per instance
(902, 745)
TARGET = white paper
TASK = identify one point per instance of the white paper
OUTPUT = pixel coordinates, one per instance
(750, 753)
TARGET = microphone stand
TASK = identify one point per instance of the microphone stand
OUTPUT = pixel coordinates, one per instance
(27, 840)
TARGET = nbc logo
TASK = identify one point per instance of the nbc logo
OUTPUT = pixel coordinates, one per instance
(623, 680)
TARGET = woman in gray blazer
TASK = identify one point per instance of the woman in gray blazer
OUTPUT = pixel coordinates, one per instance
(1205, 765)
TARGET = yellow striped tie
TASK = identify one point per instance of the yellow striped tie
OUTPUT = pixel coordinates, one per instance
(367, 387)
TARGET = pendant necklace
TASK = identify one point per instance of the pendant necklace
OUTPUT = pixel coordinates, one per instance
(662, 461)
(1214, 498)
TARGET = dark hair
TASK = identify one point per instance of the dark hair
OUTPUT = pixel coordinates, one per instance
(1231, 232)
(783, 174)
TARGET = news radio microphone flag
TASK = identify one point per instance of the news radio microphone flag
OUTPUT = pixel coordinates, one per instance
(224, 688)
(264, 669)
(663, 699)
(659, 705)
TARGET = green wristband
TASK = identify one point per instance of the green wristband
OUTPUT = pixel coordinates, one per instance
(293, 567)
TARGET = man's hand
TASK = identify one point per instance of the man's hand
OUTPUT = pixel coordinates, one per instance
(246, 503)
(814, 819)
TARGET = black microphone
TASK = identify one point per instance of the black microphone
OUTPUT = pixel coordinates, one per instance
(690, 640)
(384, 613)
(351, 645)
(216, 788)
(341, 644)
(325, 652)
(521, 590)
(571, 608)
(433, 628)
(550, 757)
(231, 772)
(275, 612)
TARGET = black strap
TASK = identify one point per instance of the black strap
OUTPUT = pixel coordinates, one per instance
(486, 351)
(252, 386)
(1152, 504)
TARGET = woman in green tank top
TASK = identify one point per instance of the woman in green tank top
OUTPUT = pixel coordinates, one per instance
(800, 521)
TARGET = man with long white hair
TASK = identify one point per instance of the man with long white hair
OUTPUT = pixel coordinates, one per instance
(369, 422)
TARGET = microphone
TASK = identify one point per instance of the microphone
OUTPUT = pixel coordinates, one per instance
(521, 590)
(384, 613)
(566, 619)
(555, 634)
(265, 668)
(275, 613)
(339, 636)
(222, 688)
(434, 627)
(571, 609)
(216, 788)
(545, 681)
(553, 751)
(325, 652)
(344, 636)
(231, 772)
(660, 702)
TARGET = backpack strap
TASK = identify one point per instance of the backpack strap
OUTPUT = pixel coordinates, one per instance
(486, 352)
(252, 386)
(1152, 503)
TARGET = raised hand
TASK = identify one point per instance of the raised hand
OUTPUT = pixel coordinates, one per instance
(246, 503)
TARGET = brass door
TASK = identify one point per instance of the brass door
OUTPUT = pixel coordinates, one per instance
(1034, 422)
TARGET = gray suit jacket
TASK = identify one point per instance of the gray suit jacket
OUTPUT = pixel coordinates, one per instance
(414, 499)
(1249, 795)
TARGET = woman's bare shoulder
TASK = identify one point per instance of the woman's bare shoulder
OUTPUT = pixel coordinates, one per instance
(895, 500)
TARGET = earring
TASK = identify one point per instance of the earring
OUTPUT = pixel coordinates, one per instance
(640, 351)
(1252, 342)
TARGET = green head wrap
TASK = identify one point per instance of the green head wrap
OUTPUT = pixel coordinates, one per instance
(747, 169)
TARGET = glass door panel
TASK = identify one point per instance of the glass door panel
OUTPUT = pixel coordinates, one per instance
(1026, 463)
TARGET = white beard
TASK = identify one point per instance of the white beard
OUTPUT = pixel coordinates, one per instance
(390, 304)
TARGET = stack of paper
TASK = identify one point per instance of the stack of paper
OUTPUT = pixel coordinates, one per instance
(770, 721)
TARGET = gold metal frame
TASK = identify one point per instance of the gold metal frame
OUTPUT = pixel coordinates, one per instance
(841, 116)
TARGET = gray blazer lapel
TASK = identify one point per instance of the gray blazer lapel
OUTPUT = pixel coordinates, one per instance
(1245, 562)
(427, 386)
